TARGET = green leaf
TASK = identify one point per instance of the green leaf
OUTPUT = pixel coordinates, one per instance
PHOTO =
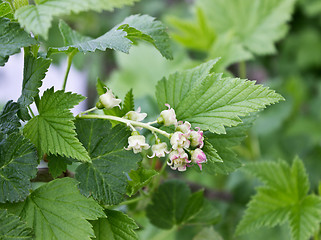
(129, 104)
(5, 10)
(18, 164)
(57, 165)
(257, 24)
(194, 205)
(57, 210)
(9, 121)
(213, 102)
(37, 18)
(139, 178)
(100, 87)
(208, 233)
(34, 71)
(104, 178)
(52, 131)
(13, 228)
(12, 38)
(282, 198)
(117, 225)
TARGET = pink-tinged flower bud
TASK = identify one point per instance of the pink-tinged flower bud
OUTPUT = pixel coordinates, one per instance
(179, 140)
(167, 117)
(136, 115)
(196, 138)
(178, 159)
(159, 150)
(108, 100)
(184, 128)
(137, 143)
(198, 157)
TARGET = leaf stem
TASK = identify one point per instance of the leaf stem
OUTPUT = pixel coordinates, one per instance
(69, 61)
(242, 70)
(30, 110)
(127, 122)
(88, 111)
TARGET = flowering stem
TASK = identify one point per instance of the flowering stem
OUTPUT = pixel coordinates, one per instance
(128, 122)
(150, 123)
(88, 111)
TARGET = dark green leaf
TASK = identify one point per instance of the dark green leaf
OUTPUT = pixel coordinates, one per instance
(57, 165)
(9, 121)
(138, 179)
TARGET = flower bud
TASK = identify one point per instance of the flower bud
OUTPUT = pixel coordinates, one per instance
(137, 143)
(198, 157)
(159, 150)
(196, 138)
(179, 140)
(108, 100)
(184, 128)
(167, 117)
(178, 159)
(136, 115)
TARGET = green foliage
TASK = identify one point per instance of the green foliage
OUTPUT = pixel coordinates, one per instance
(12, 38)
(212, 102)
(117, 225)
(9, 121)
(34, 71)
(5, 10)
(37, 18)
(104, 178)
(57, 165)
(174, 204)
(138, 179)
(284, 197)
(208, 233)
(57, 210)
(52, 131)
(129, 104)
(18, 162)
(13, 228)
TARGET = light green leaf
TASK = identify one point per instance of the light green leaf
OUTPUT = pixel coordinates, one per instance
(129, 104)
(5, 10)
(138, 179)
(37, 18)
(57, 210)
(104, 178)
(12, 38)
(34, 71)
(257, 24)
(282, 198)
(13, 228)
(9, 121)
(18, 164)
(100, 87)
(52, 131)
(57, 165)
(117, 225)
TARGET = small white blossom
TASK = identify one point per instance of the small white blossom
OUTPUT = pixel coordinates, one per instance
(184, 127)
(159, 150)
(136, 115)
(196, 138)
(108, 100)
(198, 157)
(178, 159)
(167, 117)
(137, 143)
(179, 140)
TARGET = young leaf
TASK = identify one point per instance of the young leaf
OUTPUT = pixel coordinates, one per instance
(129, 104)
(57, 165)
(138, 179)
(18, 164)
(37, 18)
(9, 121)
(57, 210)
(12, 38)
(34, 71)
(13, 228)
(52, 131)
(5, 10)
(104, 178)
(282, 198)
(117, 225)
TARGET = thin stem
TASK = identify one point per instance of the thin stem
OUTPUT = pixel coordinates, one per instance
(70, 57)
(131, 126)
(150, 123)
(130, 201)
(30, 110)
(127, 122)
(88, 111)
(242, 69)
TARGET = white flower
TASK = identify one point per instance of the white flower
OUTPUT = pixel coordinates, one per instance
(159, 150)
(184, 128)
(196, 138)
(136, 115)
(137, 143)
(179, 140)
(178, 159)
(198, 157)
(108, 100)
(167, 117)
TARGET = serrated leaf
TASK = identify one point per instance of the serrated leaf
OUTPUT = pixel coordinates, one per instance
(52, 131)
(37, 18)
(57, 210)
(129, 104)
(5, 10)
(138, 179)
(100, 87)
(104, 178)
(9, 121)
(57, 165)
(34, 71)
(282, 198)
(18, 164)
(117, 225)
(11, 227)
(12, 38)
(213, 102)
